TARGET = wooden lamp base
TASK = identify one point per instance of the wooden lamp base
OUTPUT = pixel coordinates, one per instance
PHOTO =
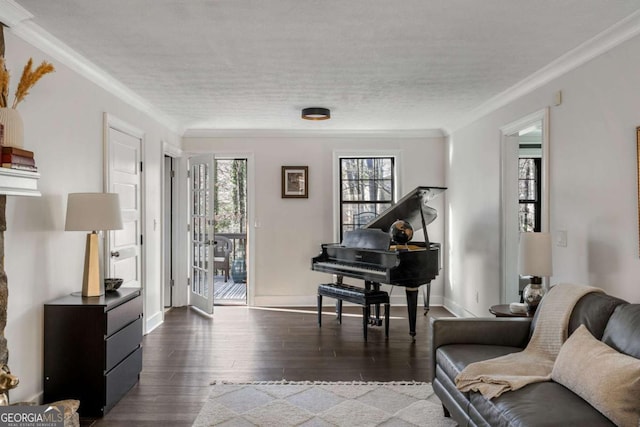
(92, 286)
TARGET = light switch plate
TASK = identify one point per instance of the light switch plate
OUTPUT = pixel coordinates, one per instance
(561, 238)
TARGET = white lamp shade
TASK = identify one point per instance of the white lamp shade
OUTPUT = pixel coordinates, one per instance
(534, 258)
(93, 212)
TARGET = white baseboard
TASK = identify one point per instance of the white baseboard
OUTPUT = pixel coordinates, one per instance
(153, 322)
(456, 309)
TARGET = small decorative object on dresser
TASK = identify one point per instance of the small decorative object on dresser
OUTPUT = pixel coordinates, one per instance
(112, 284)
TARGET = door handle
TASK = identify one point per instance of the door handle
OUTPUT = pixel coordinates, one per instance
(115, 254)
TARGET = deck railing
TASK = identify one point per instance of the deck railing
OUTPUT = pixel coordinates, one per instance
(239, 244)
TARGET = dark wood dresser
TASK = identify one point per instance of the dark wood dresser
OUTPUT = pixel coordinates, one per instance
(92, 349)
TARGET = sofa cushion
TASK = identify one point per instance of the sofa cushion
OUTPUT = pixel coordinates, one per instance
(453, 358)
(604, 377)
(592, 310)
(623, 330)
(539, 404)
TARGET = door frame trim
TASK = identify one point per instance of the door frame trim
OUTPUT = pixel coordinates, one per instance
(110, 121)
(505, 132)
(179, 245)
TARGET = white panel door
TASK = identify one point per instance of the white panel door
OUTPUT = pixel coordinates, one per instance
(124, 176)
(201, 236)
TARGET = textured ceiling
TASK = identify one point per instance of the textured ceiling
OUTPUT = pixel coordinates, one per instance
(377, 64)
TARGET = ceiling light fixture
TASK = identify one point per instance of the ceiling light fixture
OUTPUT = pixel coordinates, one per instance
(316, 113)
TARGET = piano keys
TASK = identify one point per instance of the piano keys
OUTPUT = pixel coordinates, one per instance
(370, 255)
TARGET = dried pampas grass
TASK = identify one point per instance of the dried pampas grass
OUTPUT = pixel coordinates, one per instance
(30, 78)
(4, 84)
(27, 81)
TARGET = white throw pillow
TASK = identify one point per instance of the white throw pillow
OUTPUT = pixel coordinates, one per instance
(607, 379)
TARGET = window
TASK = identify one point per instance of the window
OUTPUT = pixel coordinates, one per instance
(529, 194)
(366, 190)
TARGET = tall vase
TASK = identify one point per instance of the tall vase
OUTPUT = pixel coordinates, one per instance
(13, 135)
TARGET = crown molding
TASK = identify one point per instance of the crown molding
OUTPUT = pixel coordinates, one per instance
(22, 27)
(302, 133)
(590, 49)
(12, 14)
(171, 150)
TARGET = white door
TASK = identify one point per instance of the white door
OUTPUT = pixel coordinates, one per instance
(201, 236)
(123, 159)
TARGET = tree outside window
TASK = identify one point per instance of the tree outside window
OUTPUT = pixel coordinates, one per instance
(366, 190)
(529, 194)
(230, 195)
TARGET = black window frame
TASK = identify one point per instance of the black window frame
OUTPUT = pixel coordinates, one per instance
(377, 202)
(537, 202)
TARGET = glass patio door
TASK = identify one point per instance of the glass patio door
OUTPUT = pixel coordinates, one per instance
(201, 236)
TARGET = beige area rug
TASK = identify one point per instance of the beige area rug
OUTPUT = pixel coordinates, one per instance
(309, 404)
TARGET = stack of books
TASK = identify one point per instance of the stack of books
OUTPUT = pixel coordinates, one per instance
(18, 158)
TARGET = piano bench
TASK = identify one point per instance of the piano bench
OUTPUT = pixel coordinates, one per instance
(355, 295)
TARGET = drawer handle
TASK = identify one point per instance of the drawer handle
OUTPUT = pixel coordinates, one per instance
(115, 254)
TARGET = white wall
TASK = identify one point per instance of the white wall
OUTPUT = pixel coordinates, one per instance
(593, 184)
(63, 121)
(291, 231)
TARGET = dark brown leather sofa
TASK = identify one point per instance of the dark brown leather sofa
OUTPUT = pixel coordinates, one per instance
(456, 342)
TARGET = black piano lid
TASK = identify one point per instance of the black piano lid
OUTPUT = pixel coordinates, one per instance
(412, 208)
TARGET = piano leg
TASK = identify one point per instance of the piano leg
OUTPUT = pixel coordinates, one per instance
(365, 317)
(387, 313)
(426, 295)
(412, 309)
(376, 321)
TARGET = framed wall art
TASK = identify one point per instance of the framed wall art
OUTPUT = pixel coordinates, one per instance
(295, 182)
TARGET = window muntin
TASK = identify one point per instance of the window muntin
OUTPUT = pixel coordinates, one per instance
(366, 190)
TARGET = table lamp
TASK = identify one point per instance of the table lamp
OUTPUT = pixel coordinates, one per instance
(534, 259)
(93, 212)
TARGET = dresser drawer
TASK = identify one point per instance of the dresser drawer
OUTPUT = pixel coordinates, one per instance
(122, 343)
(121, 378)
(123, 314)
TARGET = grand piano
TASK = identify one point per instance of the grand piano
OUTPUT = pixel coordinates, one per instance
(370, 254)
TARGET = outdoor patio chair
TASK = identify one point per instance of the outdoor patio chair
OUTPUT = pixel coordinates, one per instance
(222, 249)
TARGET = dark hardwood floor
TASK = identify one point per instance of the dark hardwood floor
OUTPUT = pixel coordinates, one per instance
(189, 351)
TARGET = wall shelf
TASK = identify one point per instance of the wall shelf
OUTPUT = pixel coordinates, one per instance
(14, 182)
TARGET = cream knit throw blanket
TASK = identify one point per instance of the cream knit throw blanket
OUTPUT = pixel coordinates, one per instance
(534, 364)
